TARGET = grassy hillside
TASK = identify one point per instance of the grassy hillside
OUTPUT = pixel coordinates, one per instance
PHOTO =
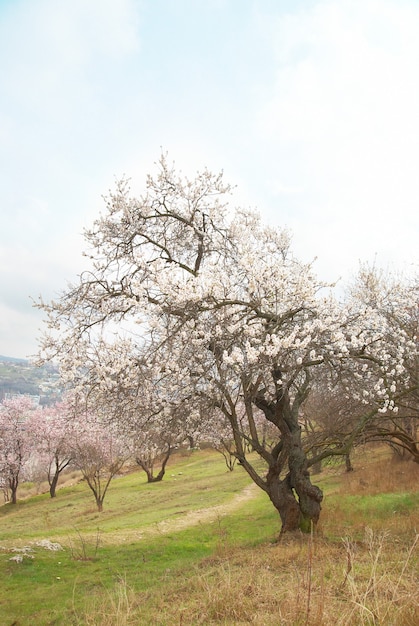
(199, 548)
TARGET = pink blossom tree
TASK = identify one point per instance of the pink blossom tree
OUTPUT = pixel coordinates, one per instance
(151, 446)
(15, 441)
(99, 453)
(52, 429)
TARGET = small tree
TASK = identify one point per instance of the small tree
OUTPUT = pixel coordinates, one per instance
(99, 453)
(155, 432)
(220, 437)
(15, 442)
(150, 446)
(52, 429)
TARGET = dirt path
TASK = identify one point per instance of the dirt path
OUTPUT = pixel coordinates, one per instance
(185, 520)
(209, 514)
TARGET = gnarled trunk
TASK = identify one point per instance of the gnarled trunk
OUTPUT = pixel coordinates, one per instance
(283, 498)
(297, 500)
(309, 495)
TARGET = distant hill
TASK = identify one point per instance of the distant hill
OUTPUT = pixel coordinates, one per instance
(11, 359)
(20, 376)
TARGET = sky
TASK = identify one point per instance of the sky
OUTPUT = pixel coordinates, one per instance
(310, 107)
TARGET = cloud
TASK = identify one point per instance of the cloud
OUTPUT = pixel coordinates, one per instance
(309, 106)
(341, 122)
(19, 330)
(61, 65)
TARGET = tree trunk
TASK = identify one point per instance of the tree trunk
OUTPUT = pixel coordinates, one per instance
(230, 460)
(309, 495)
(148, 467)
(282, 497)
(53, 485)
(99, 503)
(155, 479)
(191, 441)
(296, 499)
(348, 463)
(13, 485)
(53, 479)
(150, 473)
(159, 477)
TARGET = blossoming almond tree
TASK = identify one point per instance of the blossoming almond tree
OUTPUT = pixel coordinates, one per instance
(99, 452)
(214, 306)
(135, 396)
(51, 429)
(15, 441)
(150, 445)
(396, 418)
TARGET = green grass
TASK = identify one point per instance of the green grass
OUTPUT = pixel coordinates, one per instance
(384, 505)
(196, 482)
(135, 541)
(138, 563)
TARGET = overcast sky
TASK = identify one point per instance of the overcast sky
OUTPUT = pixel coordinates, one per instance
(311, 107)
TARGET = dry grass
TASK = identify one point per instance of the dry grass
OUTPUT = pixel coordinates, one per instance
(348, 574)
(387, 475)
(380, 493)
(300, 581)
